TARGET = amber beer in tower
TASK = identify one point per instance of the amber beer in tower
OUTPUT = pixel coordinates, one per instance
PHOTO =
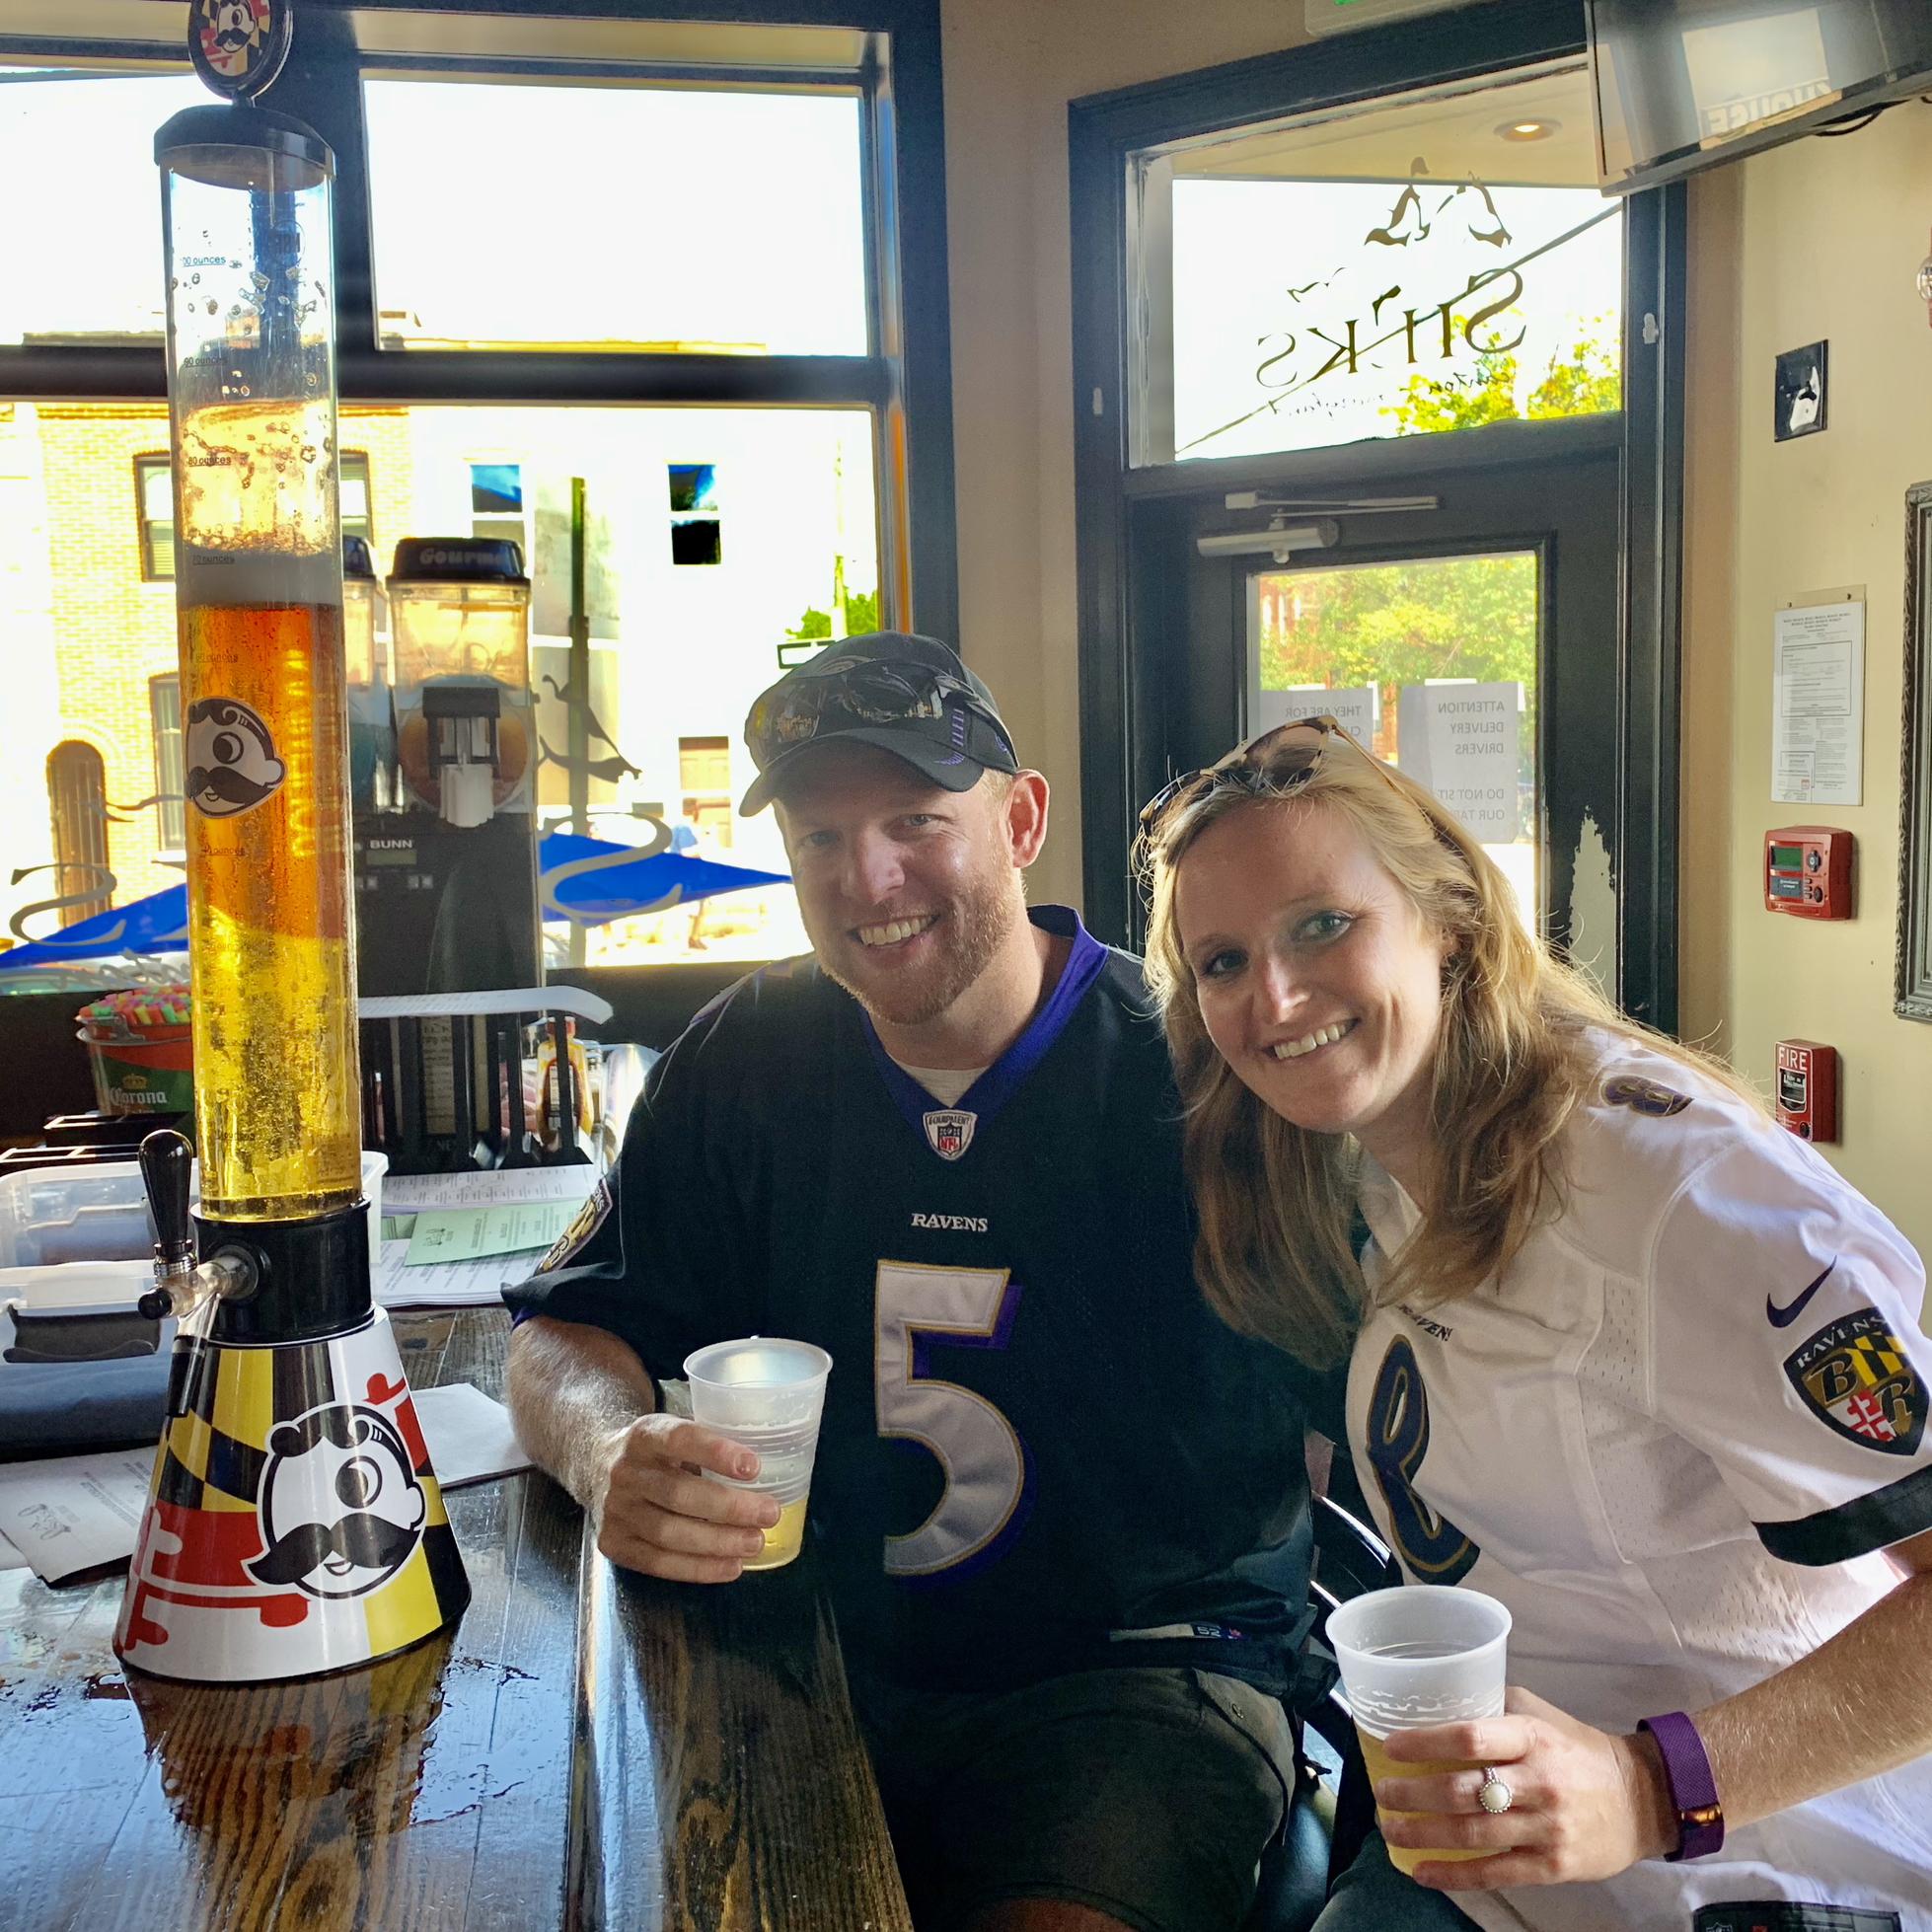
(264, 743)
(265, 724)
(270, 915)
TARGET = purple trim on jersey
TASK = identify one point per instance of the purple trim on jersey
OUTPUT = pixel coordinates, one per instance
(1000, 1336)
(1002, 1080)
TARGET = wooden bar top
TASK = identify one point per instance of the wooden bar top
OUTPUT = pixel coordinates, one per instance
(585, 1748)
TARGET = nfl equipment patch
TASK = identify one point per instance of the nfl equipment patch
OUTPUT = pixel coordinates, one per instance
(1644, 1097)
(588, 1219)
(1854, 1375)
(951, 1132)
(1787, 1916)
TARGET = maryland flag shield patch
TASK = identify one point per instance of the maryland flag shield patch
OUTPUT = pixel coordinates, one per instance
(588, 1219)
(1854, 1375)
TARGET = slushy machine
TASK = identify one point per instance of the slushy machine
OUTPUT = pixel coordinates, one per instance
(445, 820)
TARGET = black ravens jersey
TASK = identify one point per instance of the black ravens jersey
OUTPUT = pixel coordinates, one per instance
(1041, 1450)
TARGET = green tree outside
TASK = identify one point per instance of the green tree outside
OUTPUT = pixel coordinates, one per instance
(861, 615)
(1392, 625)
(1589, 381)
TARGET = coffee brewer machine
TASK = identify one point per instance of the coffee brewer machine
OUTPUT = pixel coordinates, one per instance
(295, 1524)
(446, 870)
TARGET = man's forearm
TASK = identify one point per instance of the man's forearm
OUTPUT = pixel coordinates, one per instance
(573, 1390)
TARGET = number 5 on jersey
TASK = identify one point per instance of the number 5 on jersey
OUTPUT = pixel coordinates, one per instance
(980, 1456)
(1432, 1547)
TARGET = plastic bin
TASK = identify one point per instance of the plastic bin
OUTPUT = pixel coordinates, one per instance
(101, 1213)
(62, 1226)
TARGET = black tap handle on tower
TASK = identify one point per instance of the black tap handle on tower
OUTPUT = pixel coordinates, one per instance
(166, 1159)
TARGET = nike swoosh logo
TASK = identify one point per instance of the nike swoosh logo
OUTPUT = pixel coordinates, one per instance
(1785, 1316)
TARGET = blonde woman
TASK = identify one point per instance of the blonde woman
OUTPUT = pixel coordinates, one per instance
(1621, 1353)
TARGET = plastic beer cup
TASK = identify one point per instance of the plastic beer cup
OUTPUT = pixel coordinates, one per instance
(768, 1394)
(1414, 1656)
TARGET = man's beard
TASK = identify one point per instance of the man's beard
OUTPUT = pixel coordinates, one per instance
(979, 923)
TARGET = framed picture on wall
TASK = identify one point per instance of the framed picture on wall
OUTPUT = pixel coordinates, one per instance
(1913, 980)
(1799, 393)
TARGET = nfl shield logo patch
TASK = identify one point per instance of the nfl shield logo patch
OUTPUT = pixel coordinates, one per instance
(951, 1132)
(1857, 1380)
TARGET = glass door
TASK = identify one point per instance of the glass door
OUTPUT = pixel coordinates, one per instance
(1467, 629)
(1376, 415)
(1429, 662)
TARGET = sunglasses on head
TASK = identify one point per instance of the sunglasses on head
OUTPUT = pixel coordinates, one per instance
(864, 692)
(1290, 754)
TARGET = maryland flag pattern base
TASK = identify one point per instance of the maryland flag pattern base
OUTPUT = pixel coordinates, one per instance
(296, 1525)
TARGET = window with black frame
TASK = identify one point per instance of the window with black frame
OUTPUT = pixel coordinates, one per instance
(633, 280)
(170, 766)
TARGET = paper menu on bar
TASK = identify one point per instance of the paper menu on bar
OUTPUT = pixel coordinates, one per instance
(74, 1513)
(500, 1187)
(444, 1284)
(471, 1234)
(71, 1514)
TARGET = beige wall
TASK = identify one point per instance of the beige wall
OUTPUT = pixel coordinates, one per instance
(1818, 239)
(1012, 66)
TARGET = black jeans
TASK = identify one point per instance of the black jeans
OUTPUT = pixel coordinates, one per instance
(1372, 1896)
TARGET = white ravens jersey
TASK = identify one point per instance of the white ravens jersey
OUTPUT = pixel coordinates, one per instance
(1672, 1438)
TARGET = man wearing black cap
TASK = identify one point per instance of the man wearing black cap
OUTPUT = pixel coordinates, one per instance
(1060, 1508)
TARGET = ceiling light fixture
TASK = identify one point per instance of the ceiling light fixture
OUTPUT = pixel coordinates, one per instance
(1528, 131)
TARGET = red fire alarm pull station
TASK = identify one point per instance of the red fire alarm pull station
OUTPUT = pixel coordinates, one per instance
(1808, 871)
(1808, 1090)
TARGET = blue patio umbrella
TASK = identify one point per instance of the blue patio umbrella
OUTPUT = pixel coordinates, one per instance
(156, 923)
(589, 880)
(585, 880)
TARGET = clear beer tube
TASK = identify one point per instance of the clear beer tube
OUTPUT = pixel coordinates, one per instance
(260, 589)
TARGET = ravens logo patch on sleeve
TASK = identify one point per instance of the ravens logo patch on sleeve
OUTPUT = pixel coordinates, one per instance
(587, 1221)
(1856, 1377)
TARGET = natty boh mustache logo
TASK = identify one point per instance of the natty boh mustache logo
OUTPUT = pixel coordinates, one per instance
(231, 764)
(363, 1541)
(341, 1507)
(233, 27)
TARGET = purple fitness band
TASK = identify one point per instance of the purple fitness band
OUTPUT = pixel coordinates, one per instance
(1693, 1787)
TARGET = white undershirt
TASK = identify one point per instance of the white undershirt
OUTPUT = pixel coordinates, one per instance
(945, 1084)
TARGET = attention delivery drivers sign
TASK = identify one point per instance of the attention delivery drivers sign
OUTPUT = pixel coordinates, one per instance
(1465, 743)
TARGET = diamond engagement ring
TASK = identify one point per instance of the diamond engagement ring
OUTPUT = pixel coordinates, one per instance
(1494, 1796)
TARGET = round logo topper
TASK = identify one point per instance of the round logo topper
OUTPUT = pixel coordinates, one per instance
(237, 46)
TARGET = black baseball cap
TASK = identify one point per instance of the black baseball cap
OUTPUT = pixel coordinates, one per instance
(908, 694)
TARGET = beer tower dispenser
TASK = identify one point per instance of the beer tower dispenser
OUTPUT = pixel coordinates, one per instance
(295, 1524)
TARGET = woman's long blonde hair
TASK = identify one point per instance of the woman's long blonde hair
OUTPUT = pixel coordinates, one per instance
(1277, 1201)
